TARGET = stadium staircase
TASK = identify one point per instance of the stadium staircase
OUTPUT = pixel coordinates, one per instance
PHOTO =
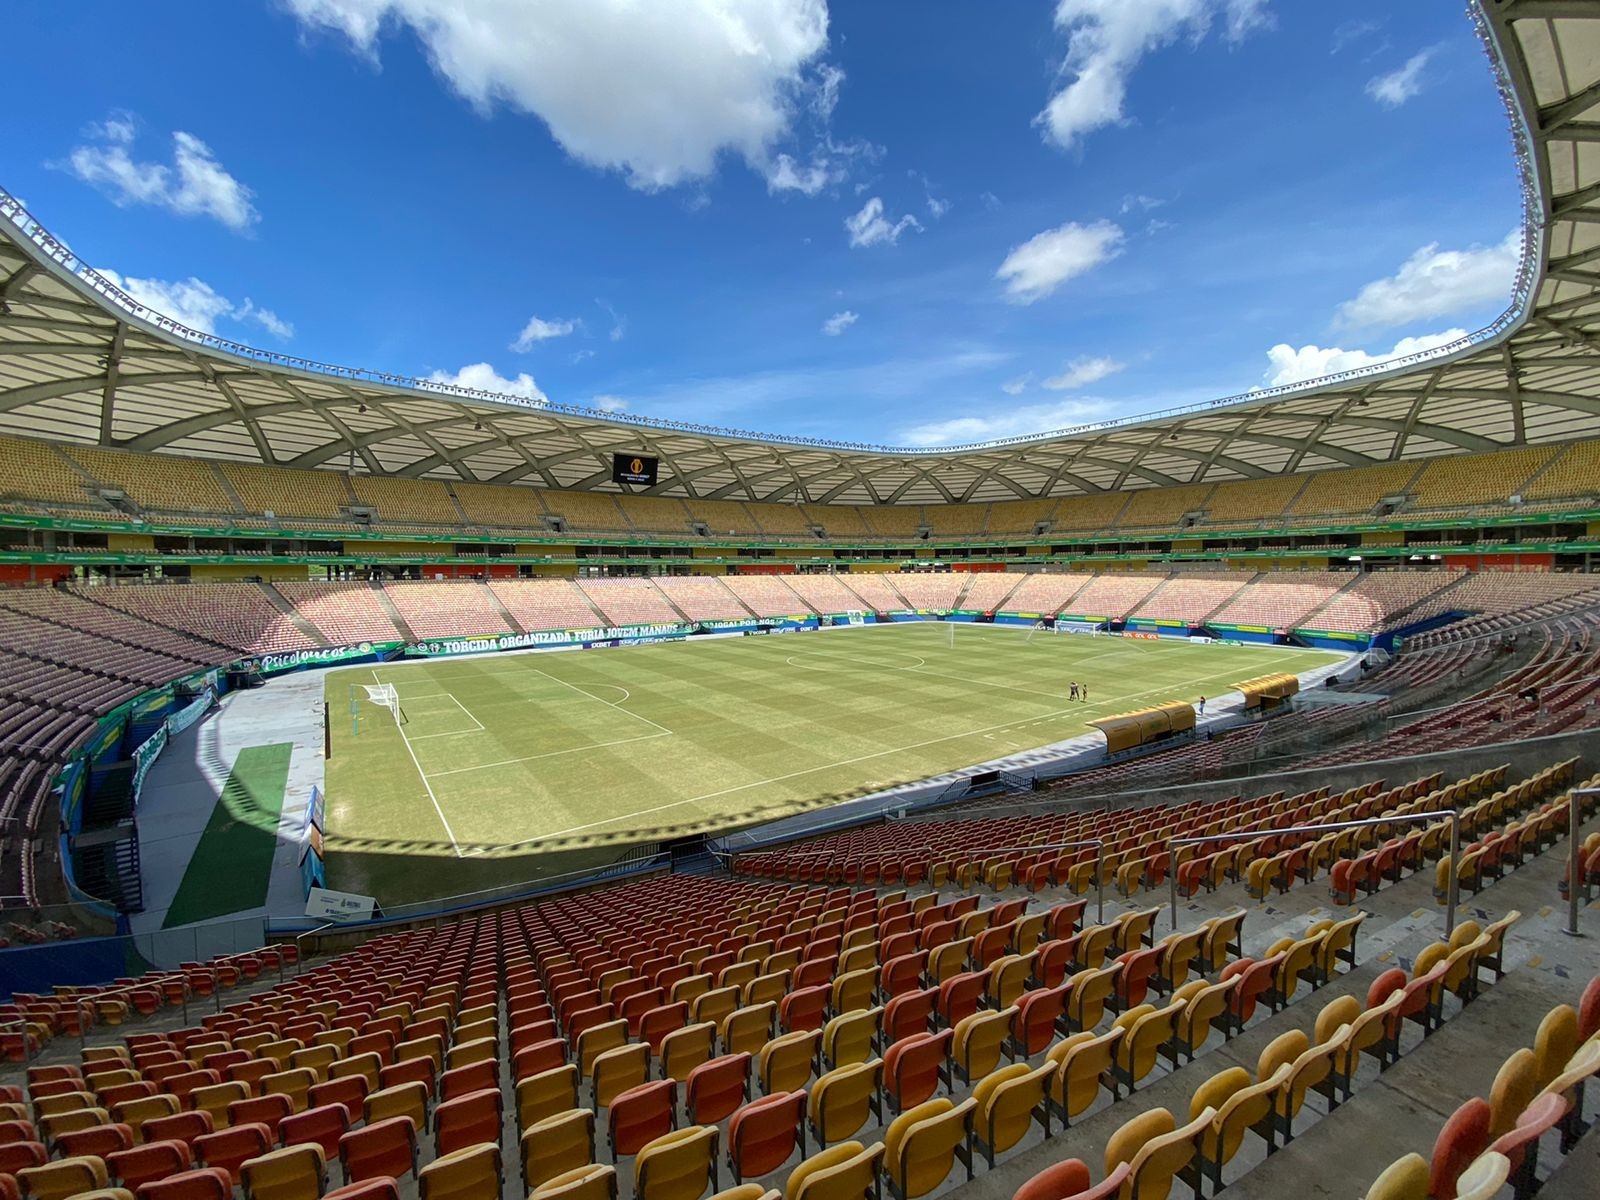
(1309, 621)
(394, 613)
(600, 619)
(748, 610)
(226, 485)
(1543, 470)
(455, 503)
(961, 596)
(800, 605)
(282, 604)
(505, 613)
(1227, 600)
(662, 592)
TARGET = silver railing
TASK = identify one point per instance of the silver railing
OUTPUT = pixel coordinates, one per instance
(1448, 814)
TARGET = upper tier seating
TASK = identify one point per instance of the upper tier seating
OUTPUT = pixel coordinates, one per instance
(543, 604)
(1161, 507)
(767, 595)
(727, 518)
(446, 608)
(37, 471)
(655, 514)
(504, 507)
(347, 612)
(1575, 473)
(586, 512)
(1351, 491)
(1252, 499)
(1047, 592)
(892, 520)
(1114, 594)
(1282, 600)
(958, 520)
(924, 589)
(781, 520)
(824, 593)
(157, 482)
(413, 501)
(876, 591)
(236, 614)
(987, 591)
(1014, 518)
(702, 597)
(838, 521)
(1460, 480)
(313, 495)
(1086, 513)
(628, 601)
(1192, 597)
(1379, 597)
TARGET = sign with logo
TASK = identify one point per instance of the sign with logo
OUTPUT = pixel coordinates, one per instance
(317, 656)
(328, 905)
(633, 468)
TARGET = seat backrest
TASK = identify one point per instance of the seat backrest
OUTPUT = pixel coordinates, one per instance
(920, 1144)
(911, 1067)
(1006, 1102)
(764, 1133)
(677, 1165)
(1404, 1179)
(841, 1100)
(1156, 1162)
(538, 1096)
(641, 1114)
(292, 1173)
(556, 1145)
(714, 1089)
(597, 1181)
(472, 1173)
(848, 1171)
(382, 1148)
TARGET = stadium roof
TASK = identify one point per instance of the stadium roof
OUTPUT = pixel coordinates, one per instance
(82, 361)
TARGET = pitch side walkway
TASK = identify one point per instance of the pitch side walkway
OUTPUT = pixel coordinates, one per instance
(189, 804)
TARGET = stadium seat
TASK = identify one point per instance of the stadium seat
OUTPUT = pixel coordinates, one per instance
(379, 1149)
(922, 1144)
(764, 1133)
(847, 1171)
(677, 1166)
(471, 1173)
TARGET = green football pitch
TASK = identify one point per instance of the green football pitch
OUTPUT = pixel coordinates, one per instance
(508, 767)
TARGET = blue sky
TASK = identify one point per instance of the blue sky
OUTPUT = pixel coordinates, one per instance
(918, 224)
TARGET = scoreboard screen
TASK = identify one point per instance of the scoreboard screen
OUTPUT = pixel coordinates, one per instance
(633, 468)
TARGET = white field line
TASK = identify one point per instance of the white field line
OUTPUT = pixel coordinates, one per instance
(830, 766)
(453, 732)
(616, 704)
(506, 762)
(422, 775)
(921, 670)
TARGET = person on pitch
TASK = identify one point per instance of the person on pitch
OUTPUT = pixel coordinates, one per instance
(1072, 693)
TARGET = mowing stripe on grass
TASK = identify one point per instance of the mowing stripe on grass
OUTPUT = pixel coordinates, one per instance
(232, 862)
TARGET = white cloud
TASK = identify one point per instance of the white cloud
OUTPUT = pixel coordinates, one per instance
(1009, 422)
(1395, 88)
(1015, 387)
(937, 207)
(195, 185)
(1081, 372)
(608, 403)
(1141, 202)
(1434, 283)
(1289, 365)
(619, 323)
(1351, 31)
(655, 91)
(1107, 38)
(484, 378)
(989, 200)
(1047, 260)
(868, 227)
(785, 175)
(197, 304)
(266, 318)
(839, 322)
(540, 330)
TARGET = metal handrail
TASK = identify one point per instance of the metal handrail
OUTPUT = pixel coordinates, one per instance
(87, 1002)
(1575, 856)
(1448, 814)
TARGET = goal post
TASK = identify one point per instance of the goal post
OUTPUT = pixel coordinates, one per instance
(385, 695)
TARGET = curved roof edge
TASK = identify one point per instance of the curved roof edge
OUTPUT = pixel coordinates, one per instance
(1266, 431)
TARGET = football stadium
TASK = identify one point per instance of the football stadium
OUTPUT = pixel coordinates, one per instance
(413, 790)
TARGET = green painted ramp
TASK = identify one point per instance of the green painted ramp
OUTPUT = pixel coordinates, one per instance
(232, 863)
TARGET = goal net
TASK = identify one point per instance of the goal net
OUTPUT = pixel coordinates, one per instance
(384, 695)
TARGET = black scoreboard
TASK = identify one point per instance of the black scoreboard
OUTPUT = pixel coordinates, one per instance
(633, 468)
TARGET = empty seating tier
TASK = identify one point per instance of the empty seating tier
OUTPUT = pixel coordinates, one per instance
(346, 612)
(628, 601)
(541, 604)
(444, 608)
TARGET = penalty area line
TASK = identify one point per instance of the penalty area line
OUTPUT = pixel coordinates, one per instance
(423, 775)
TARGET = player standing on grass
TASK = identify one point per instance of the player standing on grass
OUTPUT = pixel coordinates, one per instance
(1083, 689)
(1073, 693)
